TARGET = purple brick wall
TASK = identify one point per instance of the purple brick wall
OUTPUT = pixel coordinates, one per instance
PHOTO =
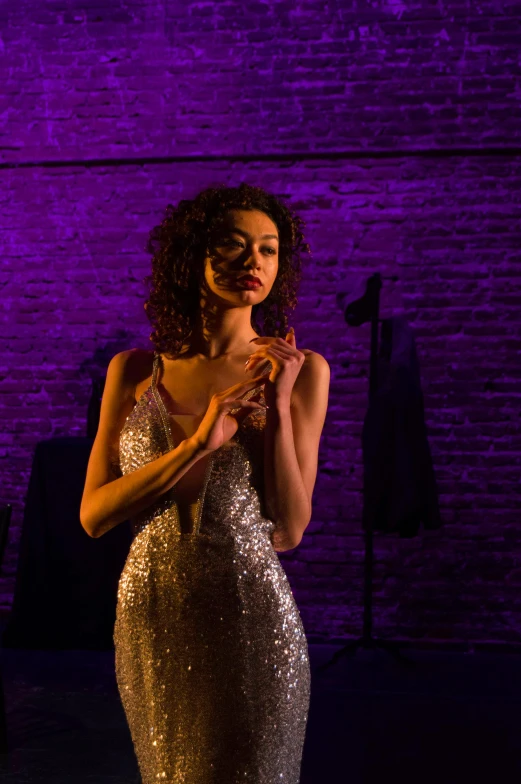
(342, 109)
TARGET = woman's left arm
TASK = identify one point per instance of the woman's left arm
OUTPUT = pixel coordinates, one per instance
(297, 397)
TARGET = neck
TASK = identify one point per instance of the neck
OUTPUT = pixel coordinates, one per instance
(223, 333)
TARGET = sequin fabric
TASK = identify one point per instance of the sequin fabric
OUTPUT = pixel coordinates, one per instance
(211, 657)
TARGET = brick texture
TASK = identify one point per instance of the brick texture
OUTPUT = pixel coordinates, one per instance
(394, 132)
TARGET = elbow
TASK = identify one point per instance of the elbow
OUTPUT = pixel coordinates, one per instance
(287, 535)
(289, 545)
(282, 540)
(90, 531)
(88, 525)
(294, 538)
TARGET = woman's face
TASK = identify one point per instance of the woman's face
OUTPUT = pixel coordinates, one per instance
(246, 244)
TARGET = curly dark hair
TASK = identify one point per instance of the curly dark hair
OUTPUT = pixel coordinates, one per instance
(181, 242)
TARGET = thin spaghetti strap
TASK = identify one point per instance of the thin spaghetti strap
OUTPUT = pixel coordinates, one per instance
(155, 368)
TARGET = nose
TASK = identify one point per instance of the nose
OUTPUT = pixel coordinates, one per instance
(253, 261)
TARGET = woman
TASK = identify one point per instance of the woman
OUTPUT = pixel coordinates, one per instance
(215, 462)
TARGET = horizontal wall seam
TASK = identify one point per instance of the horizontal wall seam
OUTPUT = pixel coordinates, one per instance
(437, 152)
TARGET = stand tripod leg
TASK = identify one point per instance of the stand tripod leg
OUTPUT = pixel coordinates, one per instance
(347, 650)
(369, 644)
(393, 648)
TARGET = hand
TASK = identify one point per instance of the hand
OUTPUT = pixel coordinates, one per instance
(219, 424)
(286, 363)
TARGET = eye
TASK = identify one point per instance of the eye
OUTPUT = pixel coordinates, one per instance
(239, 245)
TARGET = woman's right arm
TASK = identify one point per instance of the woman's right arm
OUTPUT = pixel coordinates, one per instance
(109, 498)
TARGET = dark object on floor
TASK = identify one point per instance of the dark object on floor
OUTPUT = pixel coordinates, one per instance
(5, 520)
(66, 582)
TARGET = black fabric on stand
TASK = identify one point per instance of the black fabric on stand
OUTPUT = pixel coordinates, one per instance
(399, 484)
(66, 583)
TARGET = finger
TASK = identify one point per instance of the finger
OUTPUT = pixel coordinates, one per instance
(290, 337)
(263, 352)
(265, 339)
(243, 386)
(281, 355)
(241, 408)
(241, 415)
(284, 346)
(253, 394)
(260, 354)
(278, 353)
(255, 360)
(240, 403)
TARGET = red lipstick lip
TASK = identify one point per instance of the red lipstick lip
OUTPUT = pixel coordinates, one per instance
(251, 278)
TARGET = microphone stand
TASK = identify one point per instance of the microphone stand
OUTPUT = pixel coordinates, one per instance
(367, 308)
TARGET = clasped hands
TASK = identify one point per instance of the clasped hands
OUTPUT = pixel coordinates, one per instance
(286, 362)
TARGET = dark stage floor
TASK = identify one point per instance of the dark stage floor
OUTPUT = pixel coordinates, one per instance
(452, 718)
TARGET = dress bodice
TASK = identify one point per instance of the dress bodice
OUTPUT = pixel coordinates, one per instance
(232, 490)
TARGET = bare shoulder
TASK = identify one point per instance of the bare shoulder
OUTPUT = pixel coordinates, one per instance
(314, 375)
(315, 365)
(131, 366)
(314, 359)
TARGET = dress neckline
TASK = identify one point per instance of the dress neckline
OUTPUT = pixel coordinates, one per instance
(165, 416)
(159, 397)
(167, 428)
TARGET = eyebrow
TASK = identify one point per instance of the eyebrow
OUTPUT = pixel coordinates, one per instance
(245, 234)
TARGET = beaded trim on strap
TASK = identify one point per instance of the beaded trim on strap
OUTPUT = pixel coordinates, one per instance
(155, 368)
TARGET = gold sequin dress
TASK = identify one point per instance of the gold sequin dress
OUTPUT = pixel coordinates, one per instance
(211, 657)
